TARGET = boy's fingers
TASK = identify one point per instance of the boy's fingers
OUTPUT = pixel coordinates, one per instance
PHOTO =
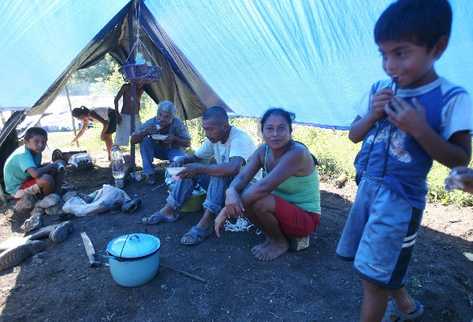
(397, 105)
(392, 117)
(385, 91)
(417, 104)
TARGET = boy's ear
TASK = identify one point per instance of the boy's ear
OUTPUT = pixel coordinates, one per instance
(440, 47)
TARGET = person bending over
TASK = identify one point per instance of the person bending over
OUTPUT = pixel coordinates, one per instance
(106, 116)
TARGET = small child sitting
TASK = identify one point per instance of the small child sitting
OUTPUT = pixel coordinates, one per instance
(23, 172)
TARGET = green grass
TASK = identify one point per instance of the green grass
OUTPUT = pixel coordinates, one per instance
(332, 148)
(336, 154)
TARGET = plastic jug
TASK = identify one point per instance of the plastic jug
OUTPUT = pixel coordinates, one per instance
(118, 167)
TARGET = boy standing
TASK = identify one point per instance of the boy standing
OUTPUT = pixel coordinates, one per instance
(426, 119)
(130, 105)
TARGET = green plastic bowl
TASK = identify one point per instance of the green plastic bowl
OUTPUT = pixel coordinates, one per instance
(194, 203)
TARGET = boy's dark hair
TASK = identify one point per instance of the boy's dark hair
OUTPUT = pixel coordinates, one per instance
(32, 131)
(422, 22)
(215, 112)
(289, 116)
(80, 111)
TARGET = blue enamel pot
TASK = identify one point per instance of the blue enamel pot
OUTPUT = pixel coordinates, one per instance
(133, 259)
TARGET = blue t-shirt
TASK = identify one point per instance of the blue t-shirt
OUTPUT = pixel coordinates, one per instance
(389, 153)
(14, 171)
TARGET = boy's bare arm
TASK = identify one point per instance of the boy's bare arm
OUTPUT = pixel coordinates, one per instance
(359, 128)
(361, 125)
(411, 119)
(38, 172)
(452, 153)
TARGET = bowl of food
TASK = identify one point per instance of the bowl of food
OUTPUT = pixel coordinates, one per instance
(159, 137)
(174, 171)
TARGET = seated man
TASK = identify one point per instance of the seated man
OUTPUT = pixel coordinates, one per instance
(170, 137)
(230, 147)
(23, 172)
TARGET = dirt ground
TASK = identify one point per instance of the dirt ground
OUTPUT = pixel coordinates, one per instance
(311, 285)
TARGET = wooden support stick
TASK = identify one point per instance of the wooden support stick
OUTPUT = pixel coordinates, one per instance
(89, 249)
(198, 278)
(72, 118)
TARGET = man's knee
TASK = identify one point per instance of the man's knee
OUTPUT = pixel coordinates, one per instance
(46, 182)
(146, 142)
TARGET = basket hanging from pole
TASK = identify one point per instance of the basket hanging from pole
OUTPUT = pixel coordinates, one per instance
(141, 72)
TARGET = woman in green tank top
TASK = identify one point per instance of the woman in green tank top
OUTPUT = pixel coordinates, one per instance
(286, 202)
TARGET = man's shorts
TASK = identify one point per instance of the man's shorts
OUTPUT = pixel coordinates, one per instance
(112, 121)
(380, 234)
(123, 132)
(27, 183)
(294, 221)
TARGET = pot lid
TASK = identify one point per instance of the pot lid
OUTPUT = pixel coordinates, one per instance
(133, 245)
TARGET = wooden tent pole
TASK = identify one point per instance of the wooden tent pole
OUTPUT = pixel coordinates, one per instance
(72, 117)
(134, 100)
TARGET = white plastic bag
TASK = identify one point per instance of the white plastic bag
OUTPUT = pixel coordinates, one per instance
(103, 200)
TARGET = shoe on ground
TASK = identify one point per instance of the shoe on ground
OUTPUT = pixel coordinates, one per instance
(14, 256)
(35, 221)
(61, 232)
(25, 203)
(150, 180)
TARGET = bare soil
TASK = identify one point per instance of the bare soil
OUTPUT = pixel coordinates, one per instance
(311, 285)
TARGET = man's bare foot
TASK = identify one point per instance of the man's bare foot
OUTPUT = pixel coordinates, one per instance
(272, 250)
(257, 248)
(168, 211)
(166, 215)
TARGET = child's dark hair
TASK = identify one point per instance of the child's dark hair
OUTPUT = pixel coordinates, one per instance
(289, 116)
(80, 111)
(215, 112)
(33, 131)
(422, 22)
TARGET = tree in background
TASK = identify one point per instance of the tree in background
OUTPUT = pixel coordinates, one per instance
(105, 79)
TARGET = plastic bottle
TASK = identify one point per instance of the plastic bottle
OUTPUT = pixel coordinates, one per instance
(118, 166)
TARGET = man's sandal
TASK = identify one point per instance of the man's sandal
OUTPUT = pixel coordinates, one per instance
(157, 218)
(196, 235)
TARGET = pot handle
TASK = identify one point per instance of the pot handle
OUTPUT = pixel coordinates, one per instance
(134, 236)
(128, 237)
(124, 243)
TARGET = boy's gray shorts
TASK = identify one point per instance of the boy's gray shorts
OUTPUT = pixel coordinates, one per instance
(380, 234)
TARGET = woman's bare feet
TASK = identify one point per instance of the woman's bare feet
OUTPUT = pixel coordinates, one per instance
(255, 250)
(271, 250)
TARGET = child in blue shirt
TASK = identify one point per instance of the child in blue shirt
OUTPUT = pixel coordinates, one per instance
(23, 170)
(404, 123)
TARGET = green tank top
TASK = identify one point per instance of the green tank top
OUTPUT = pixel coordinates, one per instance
(302, 191)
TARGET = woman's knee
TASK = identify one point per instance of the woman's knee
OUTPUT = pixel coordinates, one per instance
(263, 205)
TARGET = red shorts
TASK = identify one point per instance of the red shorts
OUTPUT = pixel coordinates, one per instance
(294, 221)
(27, 183)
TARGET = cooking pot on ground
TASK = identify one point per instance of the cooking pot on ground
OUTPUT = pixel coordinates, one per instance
(133, 259)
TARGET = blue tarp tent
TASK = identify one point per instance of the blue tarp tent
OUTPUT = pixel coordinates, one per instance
(314, 57)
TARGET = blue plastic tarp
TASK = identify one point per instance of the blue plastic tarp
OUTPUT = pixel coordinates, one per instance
(313, 57)
(39, 40)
